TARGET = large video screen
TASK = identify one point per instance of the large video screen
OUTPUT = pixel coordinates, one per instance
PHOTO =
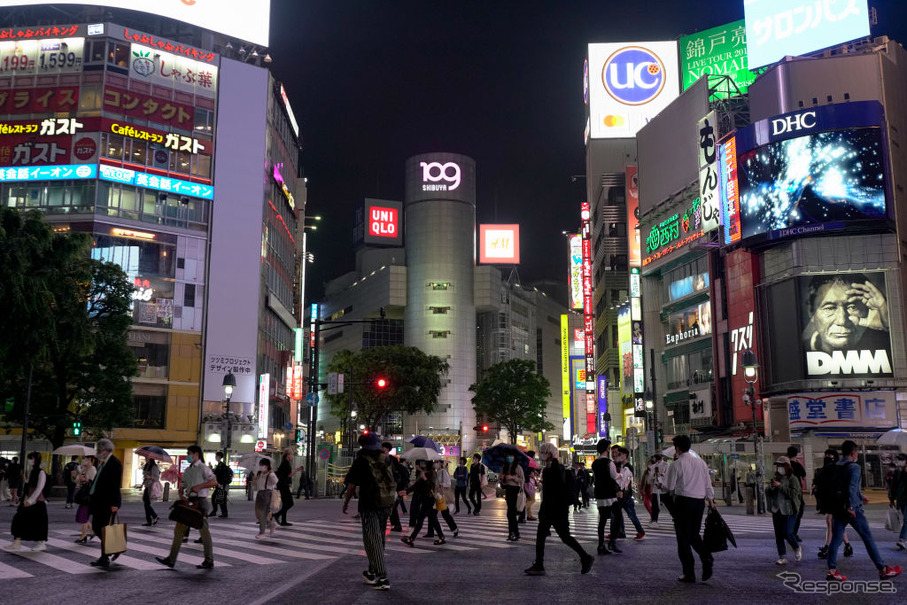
(842, 327)
(816, 179)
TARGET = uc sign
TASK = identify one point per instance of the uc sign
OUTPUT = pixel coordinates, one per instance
(633, 75)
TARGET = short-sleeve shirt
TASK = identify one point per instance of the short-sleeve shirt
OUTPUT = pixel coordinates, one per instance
(198, 473)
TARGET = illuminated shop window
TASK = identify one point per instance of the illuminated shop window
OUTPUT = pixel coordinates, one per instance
(439, 285)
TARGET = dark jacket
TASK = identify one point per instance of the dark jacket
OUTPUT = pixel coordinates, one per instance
(106, 492)
(556, 500)
(605, 486)
(283, 473)
(898, 492)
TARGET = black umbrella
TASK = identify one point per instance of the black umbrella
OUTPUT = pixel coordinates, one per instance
(495, 457)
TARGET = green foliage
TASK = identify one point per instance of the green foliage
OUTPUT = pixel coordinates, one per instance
(413, 382)
(68, 317)
(513, 395)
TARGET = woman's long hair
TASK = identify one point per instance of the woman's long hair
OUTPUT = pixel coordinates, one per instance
(510, 469)
(35, 469)
(150, 464)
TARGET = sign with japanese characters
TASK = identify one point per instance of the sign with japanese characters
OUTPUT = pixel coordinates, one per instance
(185, 50)
(778, 28)
(116, 174)
(863, 409)
(634, 258)
(49, 173)
(710, 201)
(673, 233)
(173, 71)
(720, 51)
(146, 107)
(499, 244)
(41, 57)
(576, 271)
(44, 99)
(44, 31)
(169, 140)
(230, 364)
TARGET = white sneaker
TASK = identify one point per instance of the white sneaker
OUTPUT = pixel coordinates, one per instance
(653, 523)
(781, 561)
(798, 554)
(13, 546)
(259, 536)
(901, 544)
(39, 547)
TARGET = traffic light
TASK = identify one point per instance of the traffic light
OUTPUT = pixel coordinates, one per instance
(482, 427)
(381, 383)
(76, 428)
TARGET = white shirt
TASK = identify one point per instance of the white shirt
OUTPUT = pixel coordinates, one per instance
(265, 480)
(197, 474)
(689, 476)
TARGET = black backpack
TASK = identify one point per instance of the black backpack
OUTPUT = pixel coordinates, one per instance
(224, 474)
(833, 490)
(68, 471)
(401, 474)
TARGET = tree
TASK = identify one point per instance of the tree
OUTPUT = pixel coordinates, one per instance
(512, 394)
(413, 382)
(74, 337)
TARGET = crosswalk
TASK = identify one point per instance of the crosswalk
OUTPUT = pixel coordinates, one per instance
(314, 540)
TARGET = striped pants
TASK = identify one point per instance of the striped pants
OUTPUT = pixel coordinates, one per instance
(374, 522)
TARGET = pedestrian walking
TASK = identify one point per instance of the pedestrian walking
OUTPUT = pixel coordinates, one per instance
(14, 479)
(305, 485)
(198, 479)
(690, 487)
(800, 474)
(105, 494)
(897, 497)
(30, 520)
(461, 477)
(151, 480)
(4, 484)
(265, 484)
(850, 512)
(824, 491)
(70, 474)
(224, 476)
(374, 477)
(250, 484)
(625, 503)
(783, 495)
(476, 479)
(285, 472)
(443, 495)
(554, 512)
(401, 479)
(423, 490)
(605, 480)
(512, 479)
(87, 472)
(531, 488)
(583, 481)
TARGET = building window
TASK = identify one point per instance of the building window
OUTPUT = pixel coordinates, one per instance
(118, 55)
(382, 333)
(439, 310)
(439, 285)
(189, 295)
(439, 333)
(152, 350)
(149, 402)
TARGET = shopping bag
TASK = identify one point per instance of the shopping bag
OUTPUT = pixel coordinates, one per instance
(113, 536)
(276, 502)
(186, 513)
(894, 520)
(440, 503)
(521, 501)
(157, 490)
(717, 533)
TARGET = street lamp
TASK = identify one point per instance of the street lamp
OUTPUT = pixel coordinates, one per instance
(229, 384)
(751, 375)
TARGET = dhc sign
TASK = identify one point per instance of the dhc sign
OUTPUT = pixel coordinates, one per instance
(794, 123)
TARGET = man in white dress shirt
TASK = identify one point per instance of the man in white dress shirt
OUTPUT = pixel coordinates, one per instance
(689, 483)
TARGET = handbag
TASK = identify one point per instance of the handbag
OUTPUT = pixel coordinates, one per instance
(717, 534)
(440, 503)
(187, 513)
(83, 495)
(894, 520)
(276, 502)
(157, 490)
(521, 501)
(113, 536)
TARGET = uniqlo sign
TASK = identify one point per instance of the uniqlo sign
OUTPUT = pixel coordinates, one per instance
(383, 222)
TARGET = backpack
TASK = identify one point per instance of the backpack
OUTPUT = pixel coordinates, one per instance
(224, 475)
(401, 475)
(70, 472)
(833, 490)
(385, 492)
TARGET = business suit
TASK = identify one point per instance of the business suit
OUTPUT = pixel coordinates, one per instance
(105, 493)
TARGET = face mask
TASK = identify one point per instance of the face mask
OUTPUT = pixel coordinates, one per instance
(263, 469)
(781, 471)
(509, 459)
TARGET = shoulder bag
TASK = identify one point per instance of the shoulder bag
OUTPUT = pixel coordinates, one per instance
(187, 513)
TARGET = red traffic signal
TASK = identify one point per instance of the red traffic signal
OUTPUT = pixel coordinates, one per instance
(381, 383)
(484, 428)
(365, 431)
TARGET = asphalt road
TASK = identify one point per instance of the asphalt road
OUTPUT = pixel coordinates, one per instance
(319, 560)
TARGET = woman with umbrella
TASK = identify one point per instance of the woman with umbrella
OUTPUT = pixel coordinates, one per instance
(423, 490)
(512, 478)
(86, 475)
(151, 479)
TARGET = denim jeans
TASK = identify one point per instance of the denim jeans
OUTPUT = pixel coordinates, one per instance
(784, 530)
(861, 526)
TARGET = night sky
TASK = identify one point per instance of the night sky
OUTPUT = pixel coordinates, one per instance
(373, 82)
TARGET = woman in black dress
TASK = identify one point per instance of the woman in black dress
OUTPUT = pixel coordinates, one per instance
(285, 474)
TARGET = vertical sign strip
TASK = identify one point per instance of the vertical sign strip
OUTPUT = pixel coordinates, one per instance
(565, 377)
(588, 320)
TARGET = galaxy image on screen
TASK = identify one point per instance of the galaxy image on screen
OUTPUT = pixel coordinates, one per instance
(814, 179)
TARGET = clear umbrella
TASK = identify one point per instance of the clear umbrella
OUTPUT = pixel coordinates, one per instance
(75, 450)
(894, 437)
(421, 453)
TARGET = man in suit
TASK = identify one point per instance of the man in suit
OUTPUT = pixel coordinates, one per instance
(105, 494)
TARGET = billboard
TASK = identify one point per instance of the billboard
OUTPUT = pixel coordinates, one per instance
(41, 57)
(243, 19)
(841, 331)
(720, 51)
(499, 244)
(167, 70)
(778, 28)
(728, 193)
(689, 324)
(633, 240)
(379, 223)
(815, 169)
(877, 409)
(673, 233)
(707, 135)
(629, 84)
(576, 271)
(566, 390)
